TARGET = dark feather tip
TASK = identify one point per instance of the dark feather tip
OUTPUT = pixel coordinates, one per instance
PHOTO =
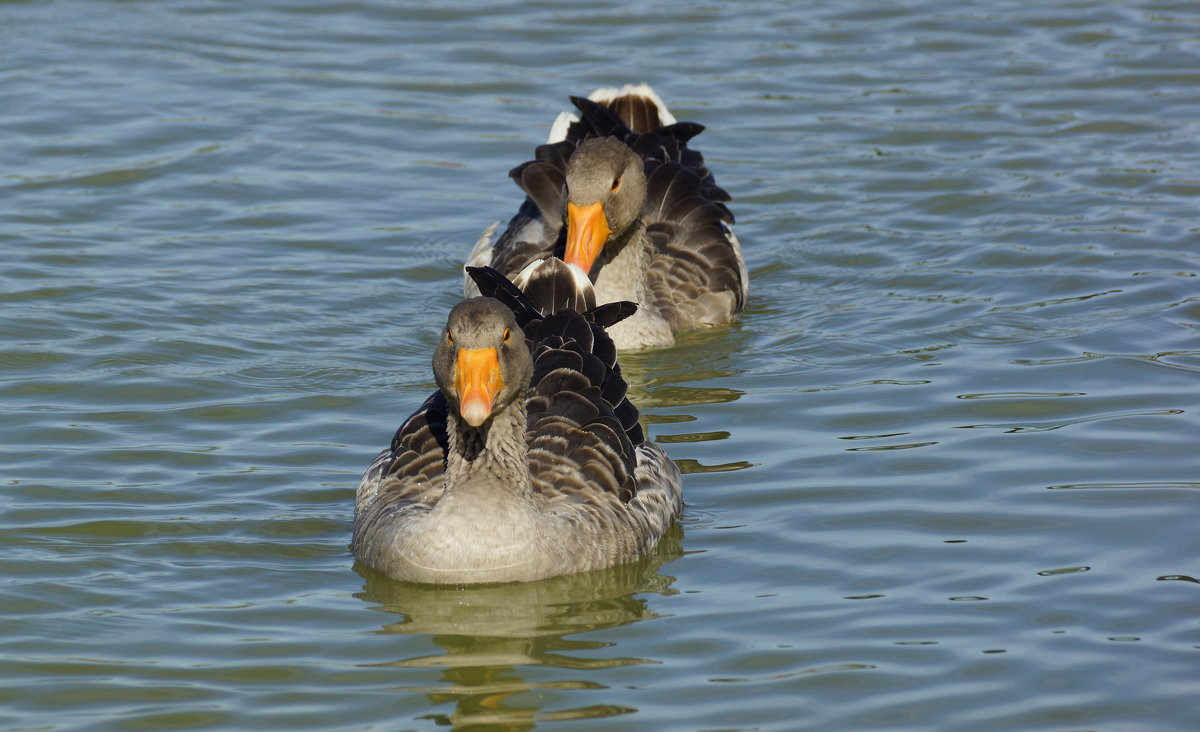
(495, 285)
(609, 314)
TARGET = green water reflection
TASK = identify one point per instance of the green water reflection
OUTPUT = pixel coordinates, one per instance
(494, 637)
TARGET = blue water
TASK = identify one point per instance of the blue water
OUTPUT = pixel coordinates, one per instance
(941, 475)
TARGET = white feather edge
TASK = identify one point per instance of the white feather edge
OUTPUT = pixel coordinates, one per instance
(558, 131)
(579, 278)
(606, 94)
(481, 256)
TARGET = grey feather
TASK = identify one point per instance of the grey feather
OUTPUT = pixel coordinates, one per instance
(558, 479)
(672, 249)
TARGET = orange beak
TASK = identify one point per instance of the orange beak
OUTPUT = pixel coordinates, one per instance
(477, 380)
(587, 230)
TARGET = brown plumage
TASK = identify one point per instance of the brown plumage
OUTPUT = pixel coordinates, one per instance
(617, 192)
(531, 466)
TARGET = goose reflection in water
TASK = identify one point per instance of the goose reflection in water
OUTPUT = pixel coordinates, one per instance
(489, 633)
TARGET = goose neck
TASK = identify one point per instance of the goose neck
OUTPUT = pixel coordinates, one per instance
(622, 267)
(492, 456)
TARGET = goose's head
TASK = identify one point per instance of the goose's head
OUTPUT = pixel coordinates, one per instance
(606, 190)
(482, 364)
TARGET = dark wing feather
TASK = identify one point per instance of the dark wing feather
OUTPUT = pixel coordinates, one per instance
(545, 184)
(606, 351)
(410, 474)
(567, 326)
(602, 121)
(495, 285)
(529, 237)
(695, 275)
(419, 446)
(553, 358)
(582, 429)
(611, 313)
(556, 154)
(683, 131)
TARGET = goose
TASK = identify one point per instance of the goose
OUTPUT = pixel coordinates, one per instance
(528, 461)
(617, 192)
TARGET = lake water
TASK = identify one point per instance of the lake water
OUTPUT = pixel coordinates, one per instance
(942, 475)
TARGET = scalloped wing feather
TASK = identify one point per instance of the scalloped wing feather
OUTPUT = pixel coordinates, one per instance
(410, 474)
(697, 276)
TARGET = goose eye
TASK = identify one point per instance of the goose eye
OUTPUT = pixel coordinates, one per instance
(449, 337)
(507, 333)
(616, 184)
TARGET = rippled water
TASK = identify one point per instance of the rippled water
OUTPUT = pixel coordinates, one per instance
(942, 474)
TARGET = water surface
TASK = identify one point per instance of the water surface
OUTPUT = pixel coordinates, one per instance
(941, 475)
